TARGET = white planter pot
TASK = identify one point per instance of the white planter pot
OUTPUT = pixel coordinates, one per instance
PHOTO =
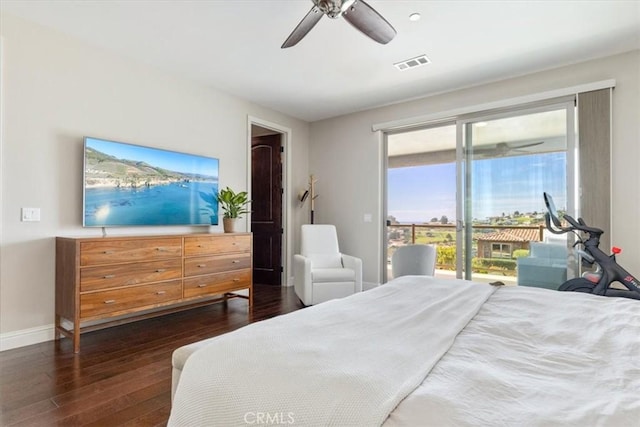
(229, 224)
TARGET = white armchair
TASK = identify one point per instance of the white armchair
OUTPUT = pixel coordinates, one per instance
(545, 267)
(321, 272)
(415, 260)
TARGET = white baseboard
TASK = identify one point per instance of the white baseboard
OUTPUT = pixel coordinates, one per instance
(16, 339)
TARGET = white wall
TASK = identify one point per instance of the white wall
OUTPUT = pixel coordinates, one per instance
(349, 184)
(57, 90)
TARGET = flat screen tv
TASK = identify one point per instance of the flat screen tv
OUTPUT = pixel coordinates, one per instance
(132, 185)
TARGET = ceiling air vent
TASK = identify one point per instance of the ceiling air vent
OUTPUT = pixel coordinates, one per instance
(412, 63)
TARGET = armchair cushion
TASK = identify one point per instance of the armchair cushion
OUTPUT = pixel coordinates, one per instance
(322, 275)
(325, 260)
(548, 251)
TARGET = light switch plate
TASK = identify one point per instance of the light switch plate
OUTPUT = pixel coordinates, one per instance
(30, 214)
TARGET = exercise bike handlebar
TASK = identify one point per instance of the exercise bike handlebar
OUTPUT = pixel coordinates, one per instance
(575, 225)
(561, 230)
(552, 217)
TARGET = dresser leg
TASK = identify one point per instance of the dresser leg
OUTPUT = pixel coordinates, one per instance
(76, 337)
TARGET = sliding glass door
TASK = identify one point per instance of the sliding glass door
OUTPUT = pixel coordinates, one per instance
(505, 164)
(421, 193)
(474, 188)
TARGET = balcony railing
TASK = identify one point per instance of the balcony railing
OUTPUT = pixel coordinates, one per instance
(498, 263)
(413, 227)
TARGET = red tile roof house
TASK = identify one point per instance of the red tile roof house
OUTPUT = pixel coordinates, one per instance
(502, 244)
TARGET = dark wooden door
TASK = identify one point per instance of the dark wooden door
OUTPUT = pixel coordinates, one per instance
(266, 209)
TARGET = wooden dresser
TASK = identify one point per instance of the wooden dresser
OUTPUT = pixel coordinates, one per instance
(107, 281)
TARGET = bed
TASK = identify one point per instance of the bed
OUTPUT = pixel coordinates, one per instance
(422, 351)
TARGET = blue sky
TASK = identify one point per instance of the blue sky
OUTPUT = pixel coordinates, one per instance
(171, 160)
(500, 185)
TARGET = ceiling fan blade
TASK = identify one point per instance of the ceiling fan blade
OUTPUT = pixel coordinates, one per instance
(532, 144)
(483, 150)
(504, 148)
(307, 23)
(368, 21)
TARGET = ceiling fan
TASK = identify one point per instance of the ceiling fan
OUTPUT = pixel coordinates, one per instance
(357, 12)
(503, 148)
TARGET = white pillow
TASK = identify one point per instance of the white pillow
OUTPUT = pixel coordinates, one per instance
(326, 260)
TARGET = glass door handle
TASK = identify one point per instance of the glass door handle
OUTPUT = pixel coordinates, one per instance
(459, 225)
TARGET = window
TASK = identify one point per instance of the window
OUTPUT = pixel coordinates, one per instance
(500, 250)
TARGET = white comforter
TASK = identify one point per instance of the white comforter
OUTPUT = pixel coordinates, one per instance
(344, 362)
(428, 352)
(535, 357)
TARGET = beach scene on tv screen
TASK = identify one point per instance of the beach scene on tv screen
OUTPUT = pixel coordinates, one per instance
(129, 185)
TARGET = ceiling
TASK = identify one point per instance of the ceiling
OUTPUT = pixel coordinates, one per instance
(234, 45)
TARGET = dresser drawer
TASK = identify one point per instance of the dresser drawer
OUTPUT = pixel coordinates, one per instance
(213, 284)
(113, 251)
(113, 276)
(204, 245)
(121, 301)
(216, 264)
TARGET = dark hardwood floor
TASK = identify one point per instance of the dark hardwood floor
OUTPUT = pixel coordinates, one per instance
(122, 375)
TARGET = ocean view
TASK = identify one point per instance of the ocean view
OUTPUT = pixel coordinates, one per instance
(171, 204)
(128, 185)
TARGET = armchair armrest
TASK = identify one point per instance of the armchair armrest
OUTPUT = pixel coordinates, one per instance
(355, 264)
(302, 278)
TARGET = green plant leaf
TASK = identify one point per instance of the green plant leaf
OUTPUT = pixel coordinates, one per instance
(233, 204)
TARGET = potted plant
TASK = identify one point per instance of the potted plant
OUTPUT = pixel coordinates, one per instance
(233, 205)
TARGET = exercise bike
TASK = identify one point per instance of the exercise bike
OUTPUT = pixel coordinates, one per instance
(607, 270)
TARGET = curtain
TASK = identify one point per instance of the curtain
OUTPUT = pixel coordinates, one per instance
(594, 142)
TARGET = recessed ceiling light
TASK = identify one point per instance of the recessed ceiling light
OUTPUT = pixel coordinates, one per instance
(414, 17)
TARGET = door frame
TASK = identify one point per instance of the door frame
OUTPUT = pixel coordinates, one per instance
(287, 237)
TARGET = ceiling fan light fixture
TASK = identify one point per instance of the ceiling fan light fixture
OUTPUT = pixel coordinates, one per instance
(346, 5)
(331, 8)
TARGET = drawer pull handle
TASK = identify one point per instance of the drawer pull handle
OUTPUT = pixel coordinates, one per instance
(109, 301)
(202, 285)
(107, 252)
(236, 280)
(202, 265)
(109, 276)
(235, 261)
(201, 246)
(160, 249)
(161, 292)
(161, 270)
